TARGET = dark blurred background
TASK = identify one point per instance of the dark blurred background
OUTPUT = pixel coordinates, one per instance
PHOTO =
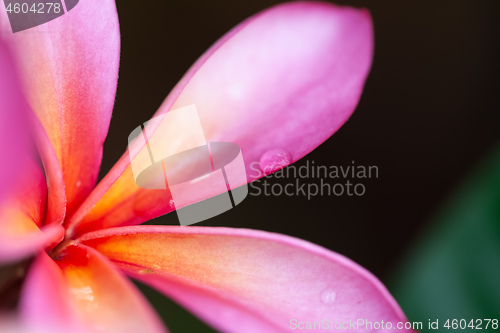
(428, 115)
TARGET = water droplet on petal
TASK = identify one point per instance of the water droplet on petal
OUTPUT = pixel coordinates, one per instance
(146, 271)
(328, 296)
(84, 293)
(274, 160)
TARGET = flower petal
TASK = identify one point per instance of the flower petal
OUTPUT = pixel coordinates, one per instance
(45, 300)
(21, 216)
(82, 289)
(70, 70)
(23, 190)
(14, 247)
(56, 201)
(11, 324)
(283, 81)
(247, 281)
(13, 126)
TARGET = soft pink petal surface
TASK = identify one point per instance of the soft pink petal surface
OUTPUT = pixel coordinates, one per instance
(82, 292)
(12, 324)
(45, 300)
(23, 189)
(56, 197)
(285, 79)
(13, 127)
(16, 247)
(22, 212)
(247, 281)
(70, 70)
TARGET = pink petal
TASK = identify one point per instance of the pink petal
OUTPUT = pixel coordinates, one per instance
(247, 281)
(56, 201)
(12, 324)
(282, 81)
(16, 247)
(70, 71)
(45, 299)
(83, 290)
(23, 188)
(13, 126)
(21, 214)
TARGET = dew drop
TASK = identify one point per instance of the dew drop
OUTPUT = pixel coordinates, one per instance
(328, 296)
(146, 271)
(78, 183)
(274, 160)
(84, 293)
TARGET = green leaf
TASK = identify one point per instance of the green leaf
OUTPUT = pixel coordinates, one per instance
(454, 270)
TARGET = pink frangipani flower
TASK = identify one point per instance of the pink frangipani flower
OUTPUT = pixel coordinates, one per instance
(286, 78)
